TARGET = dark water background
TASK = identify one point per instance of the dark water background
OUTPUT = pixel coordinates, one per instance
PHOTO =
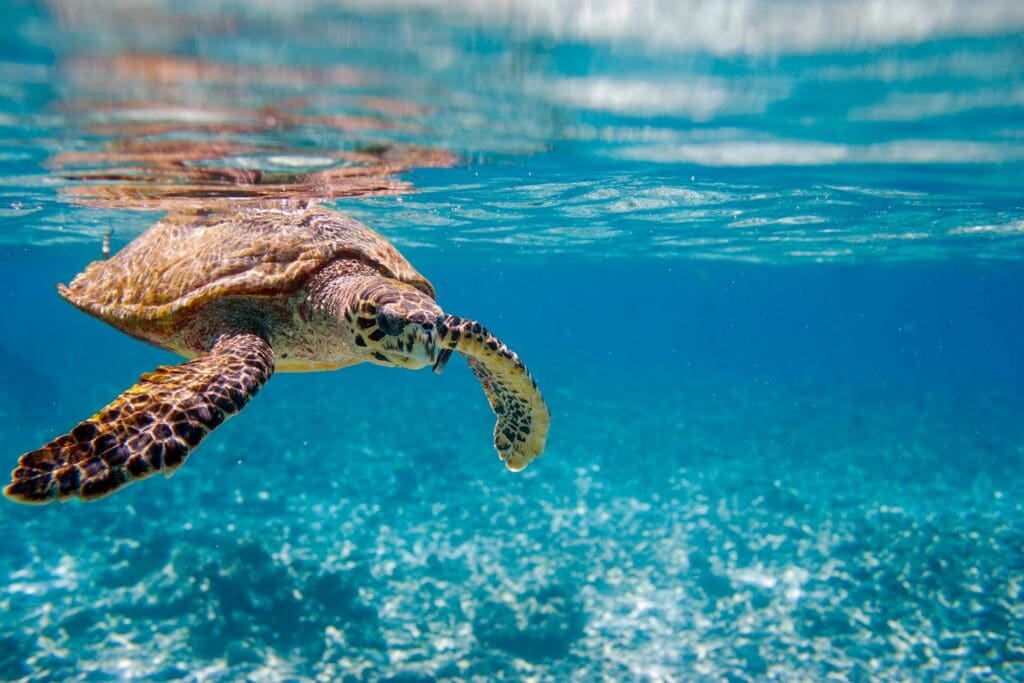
(768, 276)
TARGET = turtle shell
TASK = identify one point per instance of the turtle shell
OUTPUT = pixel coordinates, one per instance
(188, 259)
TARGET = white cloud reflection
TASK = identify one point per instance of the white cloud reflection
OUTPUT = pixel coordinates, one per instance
(810, 153)
(735, 27)
(697, 98)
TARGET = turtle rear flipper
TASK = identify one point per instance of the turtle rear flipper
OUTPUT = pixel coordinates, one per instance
(523, 416)
(151, 427)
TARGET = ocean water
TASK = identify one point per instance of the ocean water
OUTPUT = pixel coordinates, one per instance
(764, 260)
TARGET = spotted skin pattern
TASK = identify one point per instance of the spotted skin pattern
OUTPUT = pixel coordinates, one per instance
(523, 416)
(391, 322)
(152, 427)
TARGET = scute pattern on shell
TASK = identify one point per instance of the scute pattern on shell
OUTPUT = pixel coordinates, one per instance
(188, 259)
(151, 427)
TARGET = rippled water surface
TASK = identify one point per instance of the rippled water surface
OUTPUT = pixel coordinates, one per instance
(749, 132)
(763, 258)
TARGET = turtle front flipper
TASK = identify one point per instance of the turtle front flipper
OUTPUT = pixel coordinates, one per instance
(152, 427)
(523, 417)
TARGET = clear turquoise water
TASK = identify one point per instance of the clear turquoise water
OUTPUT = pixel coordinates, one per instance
(763, 259)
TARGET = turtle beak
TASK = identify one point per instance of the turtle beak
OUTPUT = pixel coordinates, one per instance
(442, 358)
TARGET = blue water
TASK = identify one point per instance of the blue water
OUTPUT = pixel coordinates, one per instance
(764, 260)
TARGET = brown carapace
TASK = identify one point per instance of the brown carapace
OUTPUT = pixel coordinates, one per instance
(245, 293)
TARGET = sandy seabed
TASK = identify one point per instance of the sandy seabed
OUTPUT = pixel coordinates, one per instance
(672, 533)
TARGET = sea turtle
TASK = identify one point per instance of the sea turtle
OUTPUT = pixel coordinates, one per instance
(245, 293)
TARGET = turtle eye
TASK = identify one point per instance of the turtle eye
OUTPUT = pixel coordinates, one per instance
(390, 323)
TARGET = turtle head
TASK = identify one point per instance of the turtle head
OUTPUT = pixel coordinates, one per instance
(394, 324)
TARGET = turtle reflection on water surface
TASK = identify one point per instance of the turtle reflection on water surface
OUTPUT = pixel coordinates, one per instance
(243, 294)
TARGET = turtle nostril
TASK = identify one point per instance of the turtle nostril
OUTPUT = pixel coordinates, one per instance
(428, 326)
